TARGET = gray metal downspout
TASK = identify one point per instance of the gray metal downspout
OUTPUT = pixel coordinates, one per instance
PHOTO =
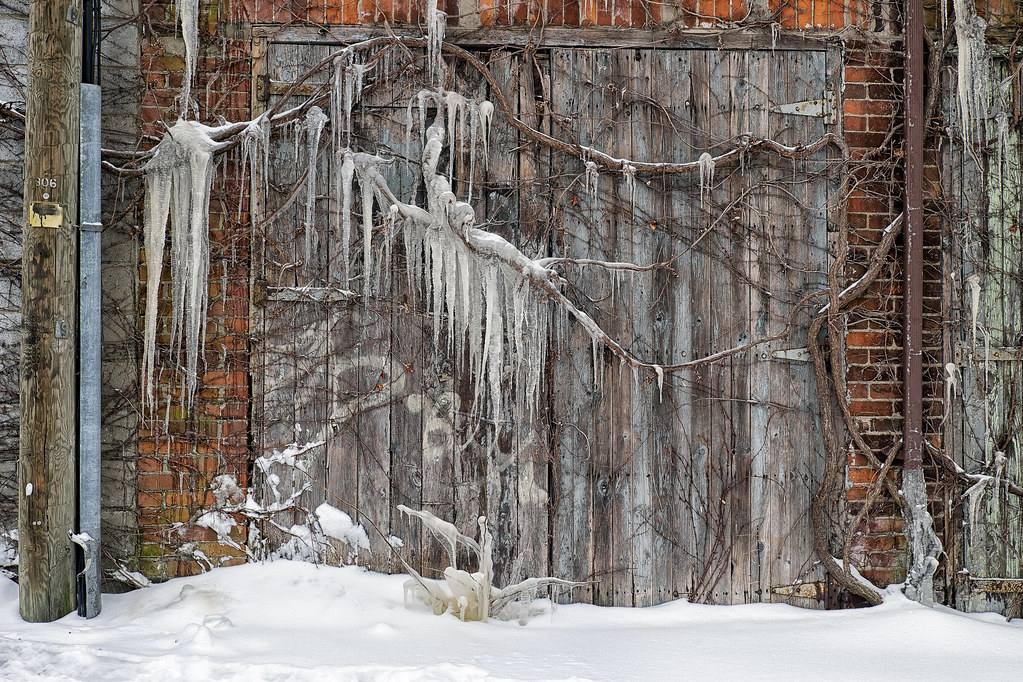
(89, 400)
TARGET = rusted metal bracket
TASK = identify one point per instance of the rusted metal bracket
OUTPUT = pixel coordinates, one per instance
(995, 585)
(818, 108)
(815, 590)
(964, 353)
(792, 354)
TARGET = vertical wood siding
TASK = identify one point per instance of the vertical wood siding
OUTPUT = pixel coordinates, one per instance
(699, 489)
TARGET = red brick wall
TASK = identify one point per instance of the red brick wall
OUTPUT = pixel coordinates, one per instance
(872, 117)
(181, 455)
(181, 458)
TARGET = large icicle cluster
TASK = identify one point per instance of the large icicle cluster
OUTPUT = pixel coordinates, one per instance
(974, 72)
(178, 182)
(476, 280)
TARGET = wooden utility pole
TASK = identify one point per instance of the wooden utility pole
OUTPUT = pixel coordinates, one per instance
(49, 278)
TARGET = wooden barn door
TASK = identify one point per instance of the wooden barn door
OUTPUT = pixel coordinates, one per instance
(986, 429)
(699, 487)
(347, 374)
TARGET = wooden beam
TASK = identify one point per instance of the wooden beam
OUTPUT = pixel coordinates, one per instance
(49, 312)
(554, 36)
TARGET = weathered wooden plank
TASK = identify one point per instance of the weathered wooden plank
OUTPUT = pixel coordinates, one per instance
(736, 186)
(530, 437)
(799, 236)
(761, 213)
(642, 249)
(992, 386)
(580, 37)
(681, 481)
(575, 393)
(708, 469)
(276, 362)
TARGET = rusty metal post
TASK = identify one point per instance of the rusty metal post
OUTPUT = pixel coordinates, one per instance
(912, 290)
(923, 544)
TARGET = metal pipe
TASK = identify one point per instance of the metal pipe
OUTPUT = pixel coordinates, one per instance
(89, 358)
(912, 289)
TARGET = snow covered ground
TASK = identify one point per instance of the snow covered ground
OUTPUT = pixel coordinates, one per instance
(296, 621)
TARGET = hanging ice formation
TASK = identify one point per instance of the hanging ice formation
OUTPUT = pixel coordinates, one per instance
(178, 181)
(973, 73)
(436, 21)
(188, 11)
(592, 180)
(255, 144)
(474, 281)
(706, 176)
(315, 119)
(629, 172)
(973, 284)
(346, 81)
(486, 113)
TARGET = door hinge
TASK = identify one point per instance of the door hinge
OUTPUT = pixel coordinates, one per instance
(263, 87)
(996, 585)
(819, 108)
(792, 354)
(964, 353)
(815, 590)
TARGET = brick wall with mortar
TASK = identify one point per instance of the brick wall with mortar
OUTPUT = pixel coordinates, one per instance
(179, 462)
(182, 455)
(872, 114)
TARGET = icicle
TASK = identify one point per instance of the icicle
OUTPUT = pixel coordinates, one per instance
(453, 103)
(493, 344)
(437, 289)
(436, 21)
(775, 30)
(973, 283)
(315, 119)
(660, 382)
(1002, 120)
(188, 12)
(422, 96)
(353, 92)
(367, 230)
(629, 172)
(706, 176)
(347, 174)
(592, 178)
(952, 376)
(486, 114)
(158, 201)
(255, 144)
(474, 111)
(409, 122)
